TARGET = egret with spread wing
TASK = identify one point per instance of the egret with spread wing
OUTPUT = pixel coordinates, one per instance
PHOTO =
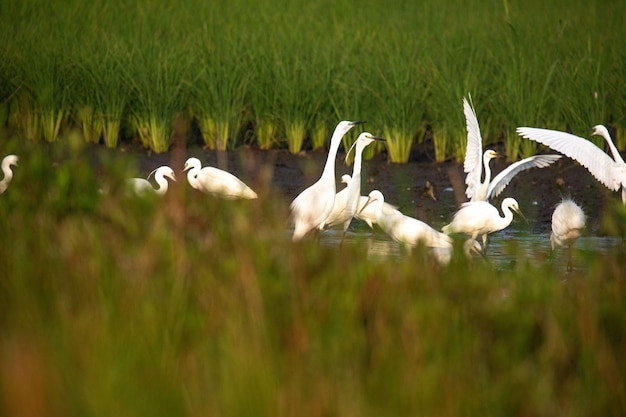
(611, 172)
(476, 161)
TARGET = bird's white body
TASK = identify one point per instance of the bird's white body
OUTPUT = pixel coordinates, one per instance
(347, 200)
(409, 231)
(610, 171)
(311, 208)
(215, 181)
(480, 218)
(367, 212)
(479, 189)
(568, 222)
(141, 187)
(7, 162)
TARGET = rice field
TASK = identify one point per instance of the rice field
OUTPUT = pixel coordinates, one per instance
(191, 305)
(282, 75)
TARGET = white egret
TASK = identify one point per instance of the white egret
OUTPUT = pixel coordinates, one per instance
(211, 180)
(367, 212)
(141, 187)
(609, 171)
(409, 231)
(7, 162)
(310, 209)
(347, 200)
(568, 222)
(480, 218)
(476, 161)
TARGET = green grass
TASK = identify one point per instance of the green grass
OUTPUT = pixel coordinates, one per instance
(284, 76)
(189, 305)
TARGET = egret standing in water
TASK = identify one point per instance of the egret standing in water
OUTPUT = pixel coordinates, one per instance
(476, 161)
(480, 218)
(311, 208)
(409, 231)
(141, 187)
(609, 171)
(7, 162)
(568, 222)
(346, 206)
(211, 180)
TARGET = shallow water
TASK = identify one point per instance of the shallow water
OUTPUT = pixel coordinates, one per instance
(505, 249)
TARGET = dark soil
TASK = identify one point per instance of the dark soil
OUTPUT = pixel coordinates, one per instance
(421, 188)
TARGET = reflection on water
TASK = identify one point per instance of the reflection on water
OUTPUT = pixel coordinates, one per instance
(504, 249)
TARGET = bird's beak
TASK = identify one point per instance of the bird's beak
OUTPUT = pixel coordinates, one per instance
(186, 167)
(518, 211)
(358, 122)
(173, 176)
(378, 138)
(499, 155)
(367, 203)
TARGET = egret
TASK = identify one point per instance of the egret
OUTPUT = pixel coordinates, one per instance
(347, 204)
(480, 218)
(141, 187)
(476, 161)
(609, 171)
(366, 212)
(409, 231)
(311, 208)
(6, 170)
(215, 181)
(471, 247)
(568, 222)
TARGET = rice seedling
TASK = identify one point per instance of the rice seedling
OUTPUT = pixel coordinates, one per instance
(220, 90)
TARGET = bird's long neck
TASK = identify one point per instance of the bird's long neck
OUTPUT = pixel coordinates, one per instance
(358, 160)
(486, 161)
(8, 173)
(192, 175)
(616, 155)
(505, 221)
(335, 141)
(162, 182)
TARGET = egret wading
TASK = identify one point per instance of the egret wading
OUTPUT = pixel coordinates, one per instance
(311, 208)
(7, 162)
(611, 172)
(480, 218)
(410, 231)
(568, 222)
(142, 187)
(347, 204)
(476, 161)
(214, 181)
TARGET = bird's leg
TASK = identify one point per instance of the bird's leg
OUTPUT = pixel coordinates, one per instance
(484, 237)
(570, 266)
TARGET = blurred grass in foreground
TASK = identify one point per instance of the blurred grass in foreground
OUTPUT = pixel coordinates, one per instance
(187, 305)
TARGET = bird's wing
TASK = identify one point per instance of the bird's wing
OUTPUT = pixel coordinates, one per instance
(597, 162)
(497, 185)
(474, 152)
(220, 181)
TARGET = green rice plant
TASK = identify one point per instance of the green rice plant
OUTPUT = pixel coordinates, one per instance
(220, 90)
(91, 123)
(399, 95)
(319, 132)
(529, 90)
(160, 84)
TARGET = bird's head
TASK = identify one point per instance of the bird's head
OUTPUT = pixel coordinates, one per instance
(362, 141)
(491, 154)
(10, 160)
(373, 196)
(599, 130)
(191, 163)
(345, 178)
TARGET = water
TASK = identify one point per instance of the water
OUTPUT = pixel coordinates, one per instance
(505, 249)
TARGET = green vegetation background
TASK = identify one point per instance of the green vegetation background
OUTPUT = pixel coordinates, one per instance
(187, 305)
